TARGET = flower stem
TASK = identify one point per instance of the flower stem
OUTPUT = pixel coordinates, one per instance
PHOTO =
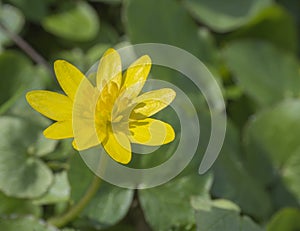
(77, 208)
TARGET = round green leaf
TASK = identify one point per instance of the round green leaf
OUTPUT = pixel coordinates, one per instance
(265, 73)
(15, 70)
(274, 130)
(233, 181)
(287, 219)
(175, 27)
(33, 9)
(224, 16)
(79, 23)
(12, 18)
(168, 206)
(37, 77)
(58, 192)
(221, 215)
(273, 134)
(24, 224)
(109, 206)
(43, 145)
(290, 173)
(13, 206)
(273, 24)
(21, 173)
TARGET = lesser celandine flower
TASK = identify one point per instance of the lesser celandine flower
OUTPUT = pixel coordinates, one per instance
(113, 108)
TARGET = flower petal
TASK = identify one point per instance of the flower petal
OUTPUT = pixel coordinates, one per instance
(84, 116)
(135, 76)
(51, 104)
(109, 69)
(85, 146)
(152, 102)
(59, 130)
(85, 134)
(117, 145)
(151, 132)
(68, 76)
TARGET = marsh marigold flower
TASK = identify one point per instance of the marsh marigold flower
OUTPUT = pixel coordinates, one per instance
(113, 109)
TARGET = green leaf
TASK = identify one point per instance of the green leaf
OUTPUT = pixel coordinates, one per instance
(267, 128)
(18, 79)
(274, 25)
(234, 182)
(265, 73)
(58, 192)
(62, 152)
(79, 176)
(290, 172)
(15, 70)
(107, 34)
(168, 206)
(273, 135)
(22, 174)
(94, 54)
(225, 16)
(209, 53)
(175, 27)
(12, 18)
(221, 215)
(24, 224)
(108, 206)
(79, 23)
(287, 219)
(43, 145)
(163, 27)
(14, 206)
(33, 10)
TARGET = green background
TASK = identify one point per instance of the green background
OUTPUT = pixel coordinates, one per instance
(252, 49)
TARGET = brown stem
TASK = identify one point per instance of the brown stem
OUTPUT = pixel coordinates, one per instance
(23, 45)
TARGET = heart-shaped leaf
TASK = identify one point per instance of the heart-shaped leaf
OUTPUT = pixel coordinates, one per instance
(78, 23)
(168, 206)
(24, 224)
(224, 16)
(221, 215)
(22, 174)
(273, 136)
(265, 73)
(287, 219)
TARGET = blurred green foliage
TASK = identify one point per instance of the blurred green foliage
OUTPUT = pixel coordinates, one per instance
(250, 46)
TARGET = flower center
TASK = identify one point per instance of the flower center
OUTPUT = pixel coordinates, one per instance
(112, 110)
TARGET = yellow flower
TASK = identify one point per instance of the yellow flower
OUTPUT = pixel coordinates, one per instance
(114, 110)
